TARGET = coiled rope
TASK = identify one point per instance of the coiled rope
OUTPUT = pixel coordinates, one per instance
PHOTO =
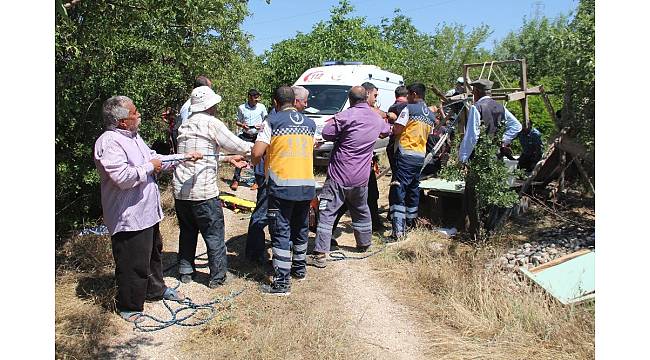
(187, 305)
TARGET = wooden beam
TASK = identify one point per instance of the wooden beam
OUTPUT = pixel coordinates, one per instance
(576, 149)
(503, 62)
(516, 96)
(533, 174)
(582, 172)
(439, 93)
(535, 90)
(559, 260)
(466, 79)
(523, 82)
(549, 106)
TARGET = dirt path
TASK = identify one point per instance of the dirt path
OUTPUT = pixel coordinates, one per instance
(383, 327)
(389, 329)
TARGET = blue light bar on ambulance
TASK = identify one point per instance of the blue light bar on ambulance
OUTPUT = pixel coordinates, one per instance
(339, 62)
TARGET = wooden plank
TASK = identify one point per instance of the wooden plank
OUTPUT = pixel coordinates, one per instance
(559, 260)
(574, 148)
(549, 106)
(516, 96)
(439, 93)
(535, 90)
(503, 62)
(582, 172)
(524, 101)
(466, 79)
(563, 165)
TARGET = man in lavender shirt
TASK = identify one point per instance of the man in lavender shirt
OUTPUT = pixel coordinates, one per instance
(131, 206)
(354, 133)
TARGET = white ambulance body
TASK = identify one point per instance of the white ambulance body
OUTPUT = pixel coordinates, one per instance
(328, 87)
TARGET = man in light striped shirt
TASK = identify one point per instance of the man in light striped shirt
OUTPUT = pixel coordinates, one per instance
(195, 185)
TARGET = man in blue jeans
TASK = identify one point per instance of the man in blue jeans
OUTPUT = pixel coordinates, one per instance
(195, 186)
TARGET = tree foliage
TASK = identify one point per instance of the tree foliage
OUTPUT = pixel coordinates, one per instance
(396, 45)
(560, 55)
(149, 50)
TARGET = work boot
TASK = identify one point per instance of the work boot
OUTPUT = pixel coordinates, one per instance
(275, 289)
(234, 185)
(300, 276)
(317, 260)
(213, 284)
(363, 248)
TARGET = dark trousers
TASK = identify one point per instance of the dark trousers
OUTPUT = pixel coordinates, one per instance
(138, 267)
(527, 161)
(289, 227)
(471, 205)
(255, 237)
(205, 216)
(259, 168)
(404, 192)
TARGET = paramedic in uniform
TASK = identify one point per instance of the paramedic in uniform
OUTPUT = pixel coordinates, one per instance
(287, 137)
(411, 130)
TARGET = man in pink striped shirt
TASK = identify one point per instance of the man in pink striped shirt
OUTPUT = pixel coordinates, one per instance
(131, 206)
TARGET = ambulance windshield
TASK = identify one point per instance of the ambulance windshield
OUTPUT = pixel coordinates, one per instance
(327, 99)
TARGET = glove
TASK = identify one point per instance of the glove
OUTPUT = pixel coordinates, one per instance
(507, 152)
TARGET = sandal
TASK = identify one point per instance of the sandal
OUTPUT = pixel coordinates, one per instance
(132, 316)
(173, 295)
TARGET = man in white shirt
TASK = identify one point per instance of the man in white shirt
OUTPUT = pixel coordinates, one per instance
(196, 194)
(485, 111)
(249, 118)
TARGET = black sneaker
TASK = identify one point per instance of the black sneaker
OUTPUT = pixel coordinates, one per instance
(363, 248)
(299, 276)
(391, 239)
(213, 284)
(186, 278)
(275, 289)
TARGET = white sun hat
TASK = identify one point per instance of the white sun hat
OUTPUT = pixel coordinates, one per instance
(203, 98)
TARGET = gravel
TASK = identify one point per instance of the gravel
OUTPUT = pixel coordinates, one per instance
(548, 245)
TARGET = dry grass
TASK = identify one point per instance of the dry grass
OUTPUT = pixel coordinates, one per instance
(82, 320)
(86, 253)
(475, 311)
(305, 325)
(84, 297)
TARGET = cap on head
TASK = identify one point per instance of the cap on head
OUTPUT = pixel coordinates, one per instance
(203, 98)
(253, 92)
(483, 84)
(460, 80)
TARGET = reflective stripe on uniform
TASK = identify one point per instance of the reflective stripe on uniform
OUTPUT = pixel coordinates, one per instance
(290, 182)
(281, 264)
(300, 248)
(281, 252)
(361, 227)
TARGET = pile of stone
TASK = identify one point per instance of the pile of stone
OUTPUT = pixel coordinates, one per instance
(548, 245)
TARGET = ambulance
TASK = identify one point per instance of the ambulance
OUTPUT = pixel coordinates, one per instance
(328, 87)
